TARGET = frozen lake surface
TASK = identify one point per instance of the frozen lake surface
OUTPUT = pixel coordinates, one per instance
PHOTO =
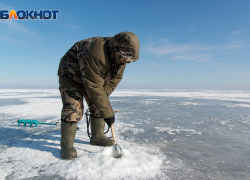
(165, 134)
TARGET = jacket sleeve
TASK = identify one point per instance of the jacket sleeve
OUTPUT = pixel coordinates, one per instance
(94, 85)
(110, 87)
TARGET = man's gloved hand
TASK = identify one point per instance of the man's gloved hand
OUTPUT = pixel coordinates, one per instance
(110, 120)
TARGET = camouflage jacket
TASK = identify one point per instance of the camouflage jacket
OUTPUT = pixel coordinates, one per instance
(98, 65)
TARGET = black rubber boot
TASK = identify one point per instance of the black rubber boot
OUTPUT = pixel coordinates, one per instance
(97, 133)
(68, 132)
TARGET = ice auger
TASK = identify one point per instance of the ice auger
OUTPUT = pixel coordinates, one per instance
(31, 122)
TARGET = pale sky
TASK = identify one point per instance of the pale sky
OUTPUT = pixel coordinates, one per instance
(189, 44)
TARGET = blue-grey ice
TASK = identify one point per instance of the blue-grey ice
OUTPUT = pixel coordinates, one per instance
(165, 134)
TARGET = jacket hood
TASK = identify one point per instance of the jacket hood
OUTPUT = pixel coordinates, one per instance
(123, 46)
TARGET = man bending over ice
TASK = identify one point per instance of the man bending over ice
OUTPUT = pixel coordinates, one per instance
(92, 68)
